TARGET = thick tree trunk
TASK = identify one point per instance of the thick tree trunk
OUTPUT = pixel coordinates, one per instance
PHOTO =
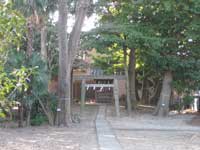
(64, 92)
(67, 53)
(132, 77)
(73, 44)
(163, 103)
(129, 107)
(64, 66)
(43, 34)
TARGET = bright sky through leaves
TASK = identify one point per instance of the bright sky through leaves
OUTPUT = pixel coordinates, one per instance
(89, 23)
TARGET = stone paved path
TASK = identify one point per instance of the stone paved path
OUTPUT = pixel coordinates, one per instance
(105, 135)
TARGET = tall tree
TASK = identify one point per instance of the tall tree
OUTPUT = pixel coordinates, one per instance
(116, 28)
(163, 31)
(68, 48)
(37, 14)
(172, 23)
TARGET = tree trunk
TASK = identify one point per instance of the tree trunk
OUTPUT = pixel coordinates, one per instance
(29, 37)
(72, 86)
(21, 115)
(137, 90)
(163, 103)
(47, 112)
(156, 93)
(132, 77)
(145, 93)
(67, 55)
(73, 44)
(64, 66)
(129, 107)
(28, 117)
(43, 34)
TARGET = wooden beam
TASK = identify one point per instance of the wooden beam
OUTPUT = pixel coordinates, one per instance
(103, 77)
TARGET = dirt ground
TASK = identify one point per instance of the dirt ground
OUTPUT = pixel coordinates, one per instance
(141, 131)
(78, 137)
(196, 120)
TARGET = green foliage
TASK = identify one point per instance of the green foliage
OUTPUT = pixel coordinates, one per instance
(116, 29)
(32, 76)
(51, 45)
(29, 78)
(53, 50)
(2, 114)
(11, 29)
(110, 62)
(12, 83)
(53, 105)
(11, 26)
(22, 78)
(11, 33)
(38, 120)
(16, 80)
(165, 33)
(43, 7)
(187, 100)
(6, 85)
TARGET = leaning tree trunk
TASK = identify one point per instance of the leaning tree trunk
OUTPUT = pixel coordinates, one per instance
(132, 78)
(47, 112)
(163, 103)
(128, 100)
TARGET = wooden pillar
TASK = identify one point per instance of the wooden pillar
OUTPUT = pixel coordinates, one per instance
(82, 95)
(116, 96)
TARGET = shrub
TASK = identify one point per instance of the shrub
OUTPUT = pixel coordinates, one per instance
(38, 120)
(2, 115)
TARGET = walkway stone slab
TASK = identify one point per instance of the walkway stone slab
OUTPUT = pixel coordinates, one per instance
(106, 137)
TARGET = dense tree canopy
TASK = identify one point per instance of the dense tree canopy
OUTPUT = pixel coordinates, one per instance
(165, 35)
